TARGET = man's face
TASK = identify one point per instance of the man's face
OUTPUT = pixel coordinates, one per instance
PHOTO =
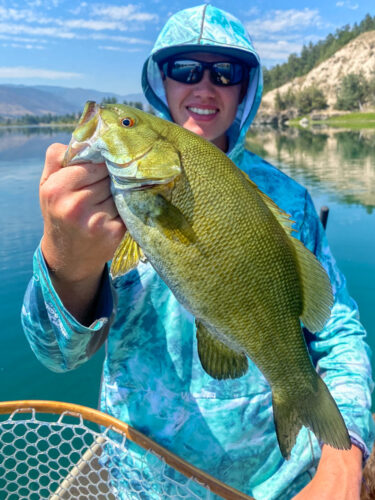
(203, 108)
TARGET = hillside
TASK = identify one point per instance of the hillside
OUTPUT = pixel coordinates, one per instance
(19, 100)
(355, 57)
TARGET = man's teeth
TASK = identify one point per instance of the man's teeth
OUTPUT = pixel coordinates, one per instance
(201, 111)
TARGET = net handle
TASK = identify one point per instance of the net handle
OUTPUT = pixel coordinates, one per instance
(100, 418)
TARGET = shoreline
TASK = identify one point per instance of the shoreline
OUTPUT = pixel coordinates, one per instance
(334, 119)
(39, 125)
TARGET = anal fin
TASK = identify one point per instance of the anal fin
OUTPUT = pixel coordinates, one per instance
(218, 360)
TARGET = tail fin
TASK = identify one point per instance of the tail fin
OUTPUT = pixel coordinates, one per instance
(317, 411)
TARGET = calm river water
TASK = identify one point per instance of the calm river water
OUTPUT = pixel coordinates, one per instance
(338, 167)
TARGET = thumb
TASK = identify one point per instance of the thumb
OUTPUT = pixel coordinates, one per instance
(54, 158)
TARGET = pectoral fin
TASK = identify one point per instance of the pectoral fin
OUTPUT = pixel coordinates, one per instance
(171, 222)
(127, 256)
(217, 359)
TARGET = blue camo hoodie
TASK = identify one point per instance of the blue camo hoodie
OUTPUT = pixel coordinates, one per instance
(152, 377)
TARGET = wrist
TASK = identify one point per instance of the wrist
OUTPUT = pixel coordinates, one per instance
(341, 466)
(67, 268)
(77, 291)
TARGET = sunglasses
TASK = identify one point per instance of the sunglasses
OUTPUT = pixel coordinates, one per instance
(190, 71)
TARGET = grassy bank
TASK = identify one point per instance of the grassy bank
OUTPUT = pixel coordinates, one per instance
(350, 120)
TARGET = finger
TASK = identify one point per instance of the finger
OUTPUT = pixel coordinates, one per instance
(86, 174)
(53, 163)
(81, 177)
(108, 207)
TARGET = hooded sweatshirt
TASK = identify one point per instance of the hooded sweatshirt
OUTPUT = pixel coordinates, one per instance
(152, 376)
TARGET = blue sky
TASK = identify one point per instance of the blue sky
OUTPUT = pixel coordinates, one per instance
(99, 45)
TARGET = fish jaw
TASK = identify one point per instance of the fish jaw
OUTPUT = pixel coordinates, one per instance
(86, 144)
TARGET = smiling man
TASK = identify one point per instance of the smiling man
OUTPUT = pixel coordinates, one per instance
(204, 74)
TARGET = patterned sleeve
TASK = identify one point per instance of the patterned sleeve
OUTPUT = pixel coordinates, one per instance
(339, 351)
(57, 339)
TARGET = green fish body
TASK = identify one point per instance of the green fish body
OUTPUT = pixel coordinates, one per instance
(226, 252)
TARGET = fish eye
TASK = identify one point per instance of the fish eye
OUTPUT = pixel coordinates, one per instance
(127, 122)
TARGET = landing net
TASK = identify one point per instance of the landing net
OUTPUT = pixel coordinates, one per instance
(62, 451)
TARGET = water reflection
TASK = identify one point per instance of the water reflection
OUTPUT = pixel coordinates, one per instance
(26, 142)
(340, 162)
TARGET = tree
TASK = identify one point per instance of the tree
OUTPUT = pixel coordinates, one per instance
(310, 99)
(285, 101)
(352, 93)
(279, 102)
(371, 89)
(109, 100)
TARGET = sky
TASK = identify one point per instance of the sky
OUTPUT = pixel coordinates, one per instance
(102, 46)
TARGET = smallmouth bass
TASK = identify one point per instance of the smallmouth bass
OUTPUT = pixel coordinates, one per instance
(226, 252)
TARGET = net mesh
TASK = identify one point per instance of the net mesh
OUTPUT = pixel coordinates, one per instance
(66, 457)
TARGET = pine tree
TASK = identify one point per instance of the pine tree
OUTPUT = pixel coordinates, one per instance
(353, 92)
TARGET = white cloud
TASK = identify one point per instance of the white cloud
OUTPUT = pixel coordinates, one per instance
(77, 10)
(19, 39)
(45, 4)
(23, 72)
(87, 21)
(281, 21)
(279, 33)
(15, 29)
(118, 49)
(124, 39)
(28, 46)
(125, 13)
(27, 15)
(276, 51)
(94, 25)
(253, 11)
(349, 5)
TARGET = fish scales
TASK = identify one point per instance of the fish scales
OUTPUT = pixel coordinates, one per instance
(226, 252)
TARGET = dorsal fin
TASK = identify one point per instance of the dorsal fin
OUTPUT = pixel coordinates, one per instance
(315, 284)
(282, 217)
(316, 288)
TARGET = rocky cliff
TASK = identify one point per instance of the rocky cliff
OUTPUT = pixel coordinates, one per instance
(357, 56)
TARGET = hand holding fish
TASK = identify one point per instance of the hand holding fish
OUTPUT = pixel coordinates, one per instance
(338, 476)
(79, 217)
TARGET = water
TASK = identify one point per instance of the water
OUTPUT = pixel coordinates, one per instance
(337, 167)
(21, 375)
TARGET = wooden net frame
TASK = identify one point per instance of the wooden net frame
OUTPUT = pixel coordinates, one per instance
(57, 450)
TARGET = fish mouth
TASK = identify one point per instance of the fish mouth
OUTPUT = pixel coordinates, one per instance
(84, 136)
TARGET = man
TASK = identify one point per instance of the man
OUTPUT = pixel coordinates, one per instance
(204, 74)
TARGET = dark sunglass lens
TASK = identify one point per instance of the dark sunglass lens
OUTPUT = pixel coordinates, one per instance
(185, 71)
(227, 73)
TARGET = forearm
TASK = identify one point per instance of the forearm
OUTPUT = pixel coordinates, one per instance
(79, 297)
(58, 340)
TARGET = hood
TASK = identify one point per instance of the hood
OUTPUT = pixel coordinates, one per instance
(208, 29)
